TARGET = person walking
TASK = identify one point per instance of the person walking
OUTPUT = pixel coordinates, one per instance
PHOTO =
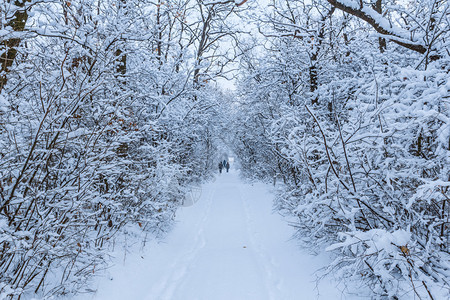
(227, 166)
(220, 167)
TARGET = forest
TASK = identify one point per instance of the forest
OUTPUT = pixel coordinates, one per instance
(112, 110)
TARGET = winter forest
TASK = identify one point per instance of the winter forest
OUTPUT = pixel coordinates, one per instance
(112, 110)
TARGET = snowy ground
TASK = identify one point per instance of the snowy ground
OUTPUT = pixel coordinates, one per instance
(228, 245)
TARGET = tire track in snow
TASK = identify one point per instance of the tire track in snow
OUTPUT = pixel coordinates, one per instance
(267, 263)
(179, 269)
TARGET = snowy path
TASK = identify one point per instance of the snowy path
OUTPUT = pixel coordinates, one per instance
(228, 245)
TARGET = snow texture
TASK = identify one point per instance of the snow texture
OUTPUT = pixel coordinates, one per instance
(227, 245)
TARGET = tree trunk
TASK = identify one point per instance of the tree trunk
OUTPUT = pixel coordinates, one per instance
(8, 47)
(381, 41)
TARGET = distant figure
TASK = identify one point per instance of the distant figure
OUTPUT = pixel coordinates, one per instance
(227, 166)
(220, 167)
(224, 163)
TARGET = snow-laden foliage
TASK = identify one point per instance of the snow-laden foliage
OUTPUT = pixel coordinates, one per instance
(108, 113)
(357, 128)
(106, 118)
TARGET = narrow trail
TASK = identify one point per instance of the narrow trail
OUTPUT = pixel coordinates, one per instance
(228, 245)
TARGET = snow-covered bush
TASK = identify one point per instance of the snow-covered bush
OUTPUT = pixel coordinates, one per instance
(362, 141)
(103, 125)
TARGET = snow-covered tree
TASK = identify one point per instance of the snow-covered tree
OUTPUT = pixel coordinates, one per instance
(101, 128)
(350, 103)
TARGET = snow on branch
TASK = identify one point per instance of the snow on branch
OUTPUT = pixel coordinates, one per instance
(379, 23)
(217, 2)
(239, 3)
